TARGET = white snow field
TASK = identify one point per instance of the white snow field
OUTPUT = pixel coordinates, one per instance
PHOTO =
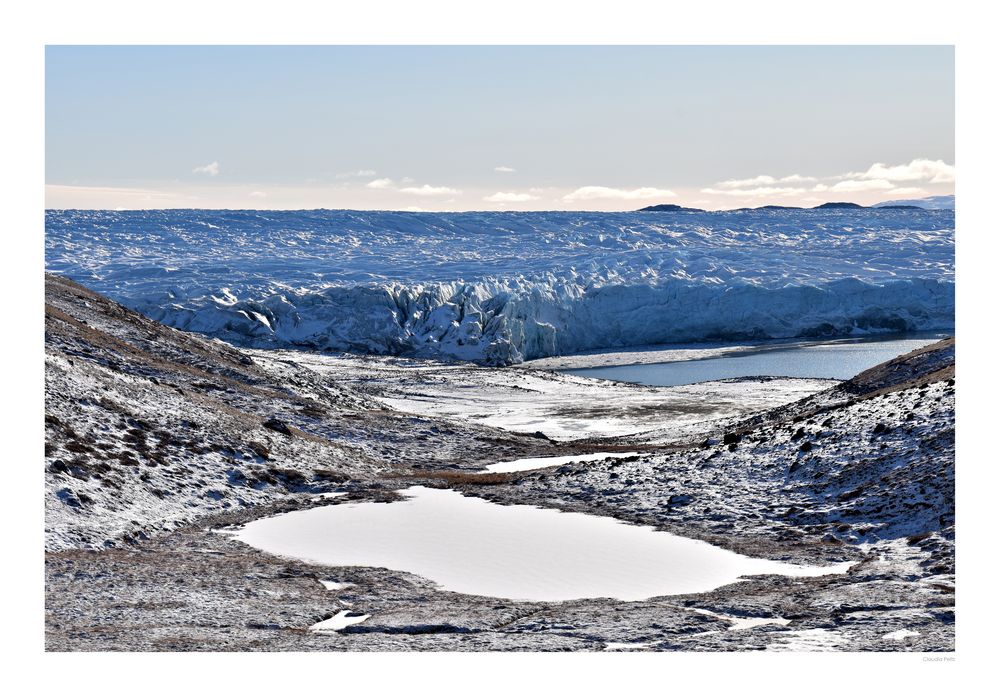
(531, 463)
(501, 288)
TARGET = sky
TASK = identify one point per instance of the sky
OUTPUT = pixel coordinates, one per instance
(495, 127)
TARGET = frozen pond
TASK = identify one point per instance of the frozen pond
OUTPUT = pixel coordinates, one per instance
(469, 545)
(839, 360)
(532, 463)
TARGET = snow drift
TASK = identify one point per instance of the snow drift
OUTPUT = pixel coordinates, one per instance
(498, 288)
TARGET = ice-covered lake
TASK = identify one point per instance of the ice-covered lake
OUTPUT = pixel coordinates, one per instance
(838, 360)
(470, 545)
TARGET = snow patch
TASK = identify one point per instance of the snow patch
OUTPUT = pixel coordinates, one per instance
(532, 463)
(344, 618)
(809, 640)
(626, 646)
(900, 635)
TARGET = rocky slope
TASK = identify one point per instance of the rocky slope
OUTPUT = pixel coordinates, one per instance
(148, 428)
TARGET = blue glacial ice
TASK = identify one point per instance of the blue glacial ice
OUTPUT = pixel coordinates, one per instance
(499, 288)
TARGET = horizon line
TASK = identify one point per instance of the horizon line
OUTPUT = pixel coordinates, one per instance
(829, 205)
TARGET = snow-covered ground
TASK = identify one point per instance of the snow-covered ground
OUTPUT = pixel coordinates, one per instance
(500, 288)
(562, 407)
(530, 463)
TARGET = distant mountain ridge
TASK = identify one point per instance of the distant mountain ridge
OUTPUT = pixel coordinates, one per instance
(928, 203)
(937, 203)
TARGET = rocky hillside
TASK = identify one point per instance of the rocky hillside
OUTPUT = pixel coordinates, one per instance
(149, 428)
(868, 460)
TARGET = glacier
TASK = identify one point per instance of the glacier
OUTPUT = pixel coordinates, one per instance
(499, 288)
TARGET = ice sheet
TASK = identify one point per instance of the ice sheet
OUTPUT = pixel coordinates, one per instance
(499, 288)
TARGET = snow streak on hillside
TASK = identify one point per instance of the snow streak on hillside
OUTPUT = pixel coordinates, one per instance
(504, 287)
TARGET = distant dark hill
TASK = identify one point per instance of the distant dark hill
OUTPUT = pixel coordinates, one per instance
(832, 205)
(838, 204)
(669, 208)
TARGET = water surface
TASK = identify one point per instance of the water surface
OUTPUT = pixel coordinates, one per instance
(838, 360)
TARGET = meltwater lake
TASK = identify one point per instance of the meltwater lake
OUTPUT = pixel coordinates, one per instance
(838, 360)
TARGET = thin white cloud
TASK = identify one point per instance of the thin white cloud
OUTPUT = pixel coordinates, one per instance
(509, 197)
(357, 174)
(930, 171)
(877, 178)
(504, 169)
(258, 194)
(428, 190)
(211, 169)
(796, 179)
(764, 180)
(73, 196)
(752, 181)
(424, 190)
(589, 193)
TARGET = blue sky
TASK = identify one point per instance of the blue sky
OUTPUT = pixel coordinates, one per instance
(486, 128)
